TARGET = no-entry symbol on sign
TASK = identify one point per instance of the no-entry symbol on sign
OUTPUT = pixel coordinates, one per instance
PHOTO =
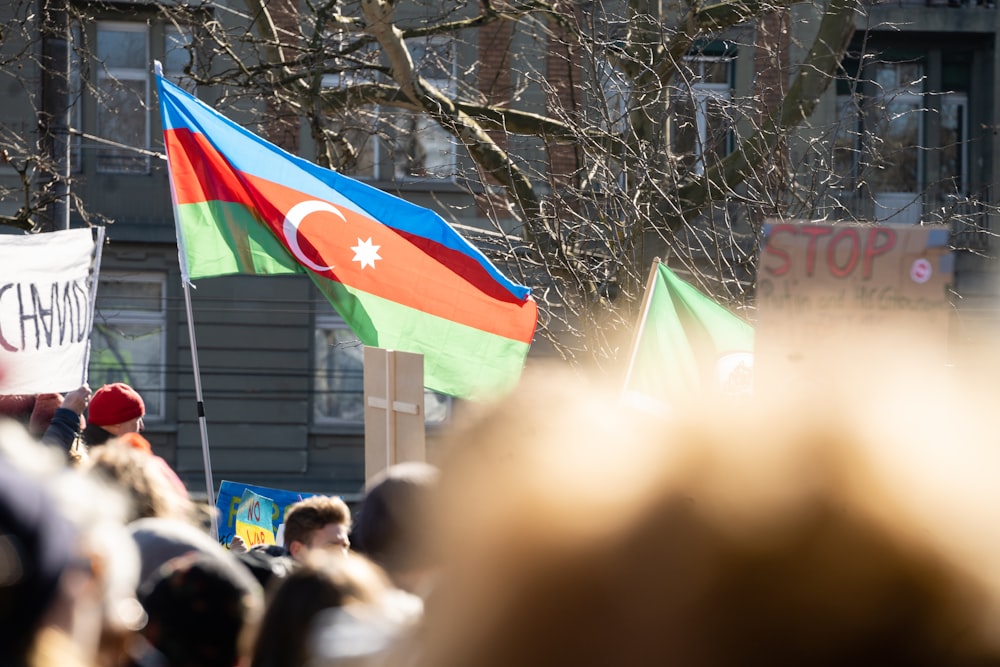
(921, 271)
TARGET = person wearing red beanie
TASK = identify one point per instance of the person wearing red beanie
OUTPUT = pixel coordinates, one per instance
(115, 409)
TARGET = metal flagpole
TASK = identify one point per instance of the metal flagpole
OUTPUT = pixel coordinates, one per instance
(186, 282)
(95, 278)
(207, 460)
(650, 285)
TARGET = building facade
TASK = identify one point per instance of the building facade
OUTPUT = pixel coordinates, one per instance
(281, 374)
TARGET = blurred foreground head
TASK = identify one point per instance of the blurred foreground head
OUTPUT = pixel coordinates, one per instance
(68, 569)
(842, 527)
(333, 609)
(393, 521)
(203, 612)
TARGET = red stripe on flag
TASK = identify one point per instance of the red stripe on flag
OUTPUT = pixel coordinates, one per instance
(412, 271)
(199, 172)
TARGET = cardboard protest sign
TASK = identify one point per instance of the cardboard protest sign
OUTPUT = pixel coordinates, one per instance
(394, 409)
(46, 310)
(229, 502)
(826, 289)
(254, 519)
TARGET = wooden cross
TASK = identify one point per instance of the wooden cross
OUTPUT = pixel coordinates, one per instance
(394, 413)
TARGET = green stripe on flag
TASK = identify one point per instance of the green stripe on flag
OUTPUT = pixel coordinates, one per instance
(222, 238)
(458, 360)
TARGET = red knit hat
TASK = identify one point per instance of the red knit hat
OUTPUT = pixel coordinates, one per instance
(114, 404)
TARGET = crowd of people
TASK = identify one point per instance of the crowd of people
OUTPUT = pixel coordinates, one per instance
(829, 525)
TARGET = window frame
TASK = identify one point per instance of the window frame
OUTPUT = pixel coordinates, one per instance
(326, 319)
(328, 322)
(447, 84)
(699, 93)
(153, 396)
(862, 103)
(961, 100)
(385, 133)
(104, 74)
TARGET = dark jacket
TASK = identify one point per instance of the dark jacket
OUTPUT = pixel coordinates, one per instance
(63, 430)
(95, 435)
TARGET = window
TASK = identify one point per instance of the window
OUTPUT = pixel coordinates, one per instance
(897, 109)
(123, 90)
(846, 140)
(177, 56)
(611, 93)
(339, 377)
(75, 92)
(888, 118)
(351, 133)
(122, 71)
(954, 175)
(390, 144)
(355, 143)
(615, 91)
(339, 390)
(701, 126)
(128, 342)
(422, 149)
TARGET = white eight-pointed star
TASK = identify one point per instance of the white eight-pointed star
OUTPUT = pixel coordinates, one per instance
(366, 253)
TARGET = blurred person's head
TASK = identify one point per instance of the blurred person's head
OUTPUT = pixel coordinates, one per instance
(331, 605)
(317, 522)
(393, 523)
(114, 409)
(66, 549)
(160, 540)
(268, 564)
(144, 478)
(202, 612)
(857, 527)
(38, 546)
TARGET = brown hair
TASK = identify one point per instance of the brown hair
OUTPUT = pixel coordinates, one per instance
(324, 580)
(142, 478)
(394, 517)
(311, 514)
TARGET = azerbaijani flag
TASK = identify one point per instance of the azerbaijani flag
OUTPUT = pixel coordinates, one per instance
(398, 274)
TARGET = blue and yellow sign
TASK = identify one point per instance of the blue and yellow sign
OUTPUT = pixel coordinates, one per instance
(231, 510)
(253, 519)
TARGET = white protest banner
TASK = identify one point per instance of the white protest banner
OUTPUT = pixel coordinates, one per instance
(46, 309)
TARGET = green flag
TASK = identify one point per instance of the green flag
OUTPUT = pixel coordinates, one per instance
(686, 343)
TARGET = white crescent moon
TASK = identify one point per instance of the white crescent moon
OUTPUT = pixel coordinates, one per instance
(290, 228)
